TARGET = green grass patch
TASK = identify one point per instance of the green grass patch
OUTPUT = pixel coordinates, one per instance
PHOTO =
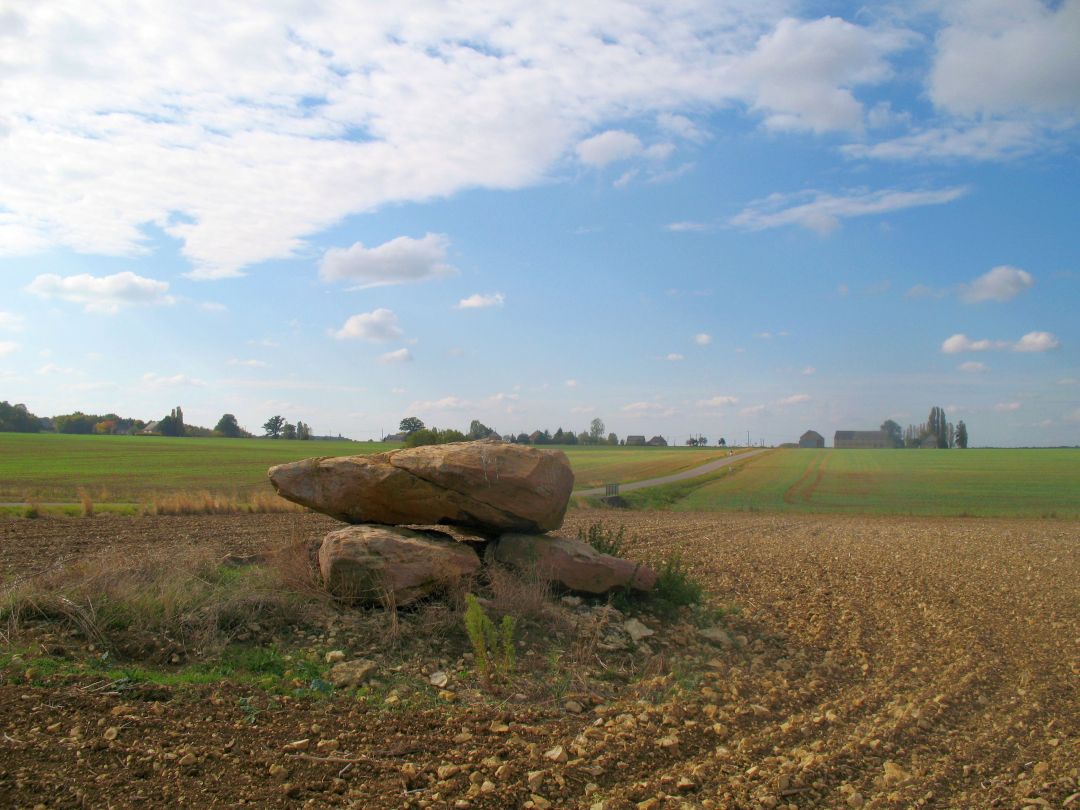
(940, 483)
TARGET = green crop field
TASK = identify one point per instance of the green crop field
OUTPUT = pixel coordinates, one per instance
(132, 469)
(1027, 483)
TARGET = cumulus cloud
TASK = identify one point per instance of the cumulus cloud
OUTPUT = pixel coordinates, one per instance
(702, 339)
(344, 109)
(103, 294)
(398, 356)
(571, 383)
(800, 75)
(1003, 283)
(608, 147)
(481, 301)
(11, 322)
(681, 126)
(377, 325)
(719, 401)
(1007, 407)
(1031, 342)
(8, 347)
(1036, 342)
(998, 59)
(822, 212)
(973, 367)
(674, 357)
(398, 261)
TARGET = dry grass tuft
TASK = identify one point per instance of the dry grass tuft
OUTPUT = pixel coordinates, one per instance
(182, 597)
(208, 503)
(525, 595)
(87, 503)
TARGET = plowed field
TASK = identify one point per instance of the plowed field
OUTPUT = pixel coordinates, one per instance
(875, 662)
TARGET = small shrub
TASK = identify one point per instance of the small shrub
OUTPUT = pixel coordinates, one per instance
(33, 508)
(493, 649)
(675, 586)
(604, 541)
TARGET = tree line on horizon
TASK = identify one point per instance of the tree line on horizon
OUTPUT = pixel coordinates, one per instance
(937, 429)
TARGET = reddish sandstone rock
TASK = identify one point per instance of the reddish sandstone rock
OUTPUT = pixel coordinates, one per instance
(572, 563)
(384, 563)
(484, 485)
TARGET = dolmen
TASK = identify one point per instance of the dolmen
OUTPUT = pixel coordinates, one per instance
(508, 496)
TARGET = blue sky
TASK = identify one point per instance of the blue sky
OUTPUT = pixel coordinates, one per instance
(695, 217)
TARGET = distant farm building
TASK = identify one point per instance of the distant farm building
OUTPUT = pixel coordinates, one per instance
(861, 440)
(811, 439)
(151, 429)
(657, 441)
(536, 437)
(635, 441)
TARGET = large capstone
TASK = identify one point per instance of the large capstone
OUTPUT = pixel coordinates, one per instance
(486, 485)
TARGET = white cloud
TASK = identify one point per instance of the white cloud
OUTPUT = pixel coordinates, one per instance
(11, 322)
(924, 291)
(651, 409)
(398, 261)
(479, 301)
(377, 325)
(808, 370)
(213, 306)
(8, 347)
(842, 290)
(608, 147)
(688, 226)
(702, 339)
(1031, 342)
(1003, 58)
(1037, 342)
(800, 76)
(105, 294)
(674, 357)
(822, 212)
(398, 356)
(973, 367)
(235, 361)
(752, 410)
(719, 401)
(336, 109)
(795, 399)
(1068, 381)
(444, 404)
(583, 409)
(1003, 283)
(571, 383)
(1007, 407)
(681, 126)
(154, 380)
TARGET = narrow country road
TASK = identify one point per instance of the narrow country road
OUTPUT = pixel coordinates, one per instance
(696, 472)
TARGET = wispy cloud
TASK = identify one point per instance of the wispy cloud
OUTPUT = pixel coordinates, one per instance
(652, 409)
(823, 212)
(450, 403)
(674, 357)
(973, 367)
(794, 399)
(1007, 407)
(702, 339)
(154, 380)
(718, 401)
(8, 347)
(236, 361)
(397, 356)
(11, 322)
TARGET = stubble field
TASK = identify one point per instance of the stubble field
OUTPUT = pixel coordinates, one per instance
(873, 662)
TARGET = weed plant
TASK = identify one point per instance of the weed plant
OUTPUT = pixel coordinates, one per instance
(493, 648)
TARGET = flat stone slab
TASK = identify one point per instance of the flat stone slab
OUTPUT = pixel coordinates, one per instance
(486, 485)
(572, 563)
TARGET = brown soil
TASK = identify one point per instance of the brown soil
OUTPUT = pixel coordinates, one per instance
(879, 662)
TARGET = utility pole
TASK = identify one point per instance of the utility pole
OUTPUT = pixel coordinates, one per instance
(748, 438)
